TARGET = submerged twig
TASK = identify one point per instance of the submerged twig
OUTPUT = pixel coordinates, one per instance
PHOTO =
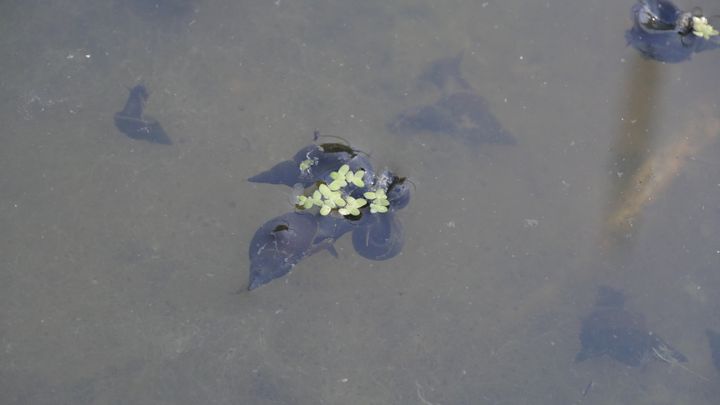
(665, 356)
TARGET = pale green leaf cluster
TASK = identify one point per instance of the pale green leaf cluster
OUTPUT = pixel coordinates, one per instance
(307, 202)
(330, 196)
(702, 28)
(344, 175)
(353, 206)
(324, 198)
(379, 202)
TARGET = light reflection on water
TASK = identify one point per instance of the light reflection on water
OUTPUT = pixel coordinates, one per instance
(121, 258)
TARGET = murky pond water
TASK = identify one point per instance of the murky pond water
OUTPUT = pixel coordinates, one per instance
(124, 263)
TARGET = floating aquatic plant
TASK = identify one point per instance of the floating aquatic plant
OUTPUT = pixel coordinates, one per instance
(379, 202)
(702, 28)
(324, 198)
(353, 206)
(306, 164)
(331, 198)
(344, 175)
(307, 202)
(339, 178)
(356, 178)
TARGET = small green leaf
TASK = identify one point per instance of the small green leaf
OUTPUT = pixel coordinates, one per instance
(358, 182)
(325, 190)
(378, 194)
(308, 204)
(339, 202)
(306, 164)
(337, 184)
(356, 178)
(325, 210)
(377, 209)
(341, 173)
(702, 28)
(360, 202)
